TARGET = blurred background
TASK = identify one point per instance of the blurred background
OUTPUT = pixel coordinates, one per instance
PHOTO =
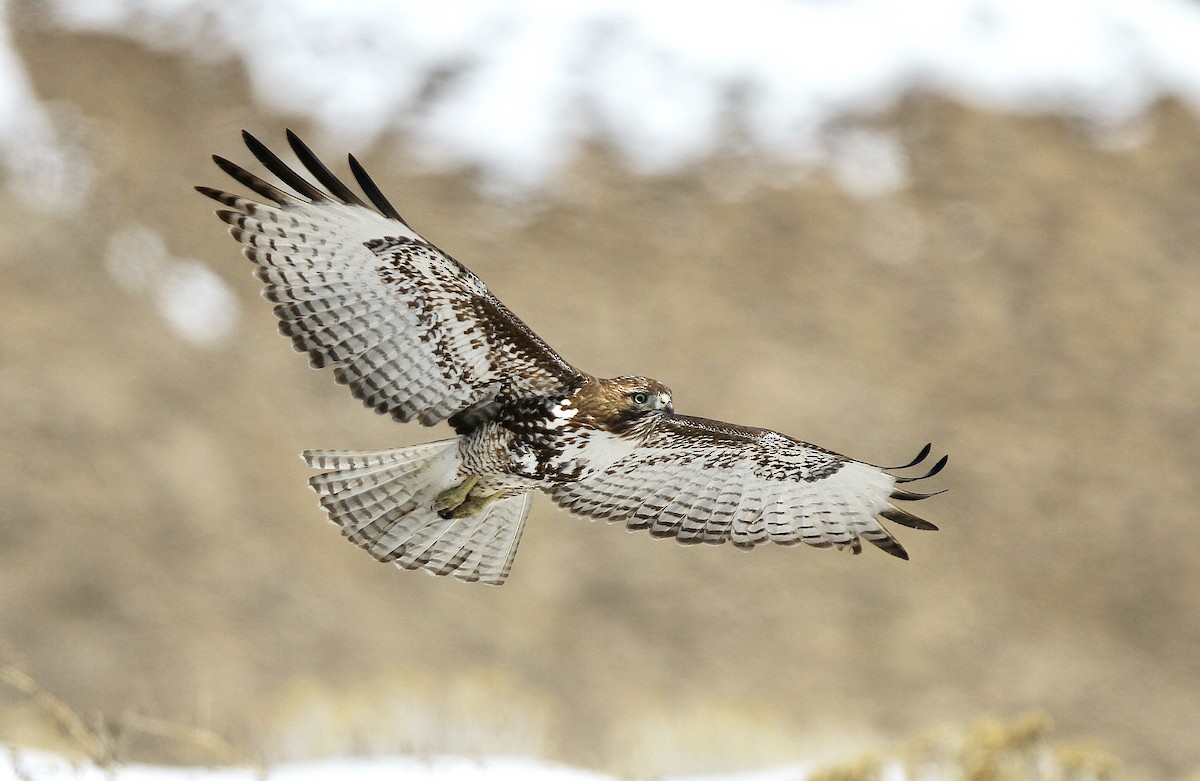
(866, 224)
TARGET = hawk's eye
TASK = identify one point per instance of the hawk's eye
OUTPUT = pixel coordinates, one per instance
(639, 398)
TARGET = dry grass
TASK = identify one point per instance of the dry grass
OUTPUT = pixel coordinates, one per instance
(479, 713)
(1024, 749)
(31, 715)
(314, 722)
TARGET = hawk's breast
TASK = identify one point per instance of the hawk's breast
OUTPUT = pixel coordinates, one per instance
(585, 451)
(551, 442)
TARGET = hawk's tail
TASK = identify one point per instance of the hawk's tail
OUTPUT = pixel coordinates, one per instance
(384, 502)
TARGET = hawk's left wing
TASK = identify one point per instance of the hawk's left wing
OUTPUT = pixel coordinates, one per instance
(701, 480)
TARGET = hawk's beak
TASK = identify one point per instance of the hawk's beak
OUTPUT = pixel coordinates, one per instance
(664, 403)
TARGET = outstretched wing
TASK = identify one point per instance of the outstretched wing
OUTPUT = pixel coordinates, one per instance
(701, 480)
(410, 330)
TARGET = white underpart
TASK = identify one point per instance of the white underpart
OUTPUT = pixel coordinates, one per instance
(596, 449)
(868, 484)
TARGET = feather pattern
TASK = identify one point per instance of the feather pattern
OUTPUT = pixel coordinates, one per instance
(382, 501)
(410, 330)
(701, 480)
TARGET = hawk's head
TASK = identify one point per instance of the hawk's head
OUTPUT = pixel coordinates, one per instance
(629, 406)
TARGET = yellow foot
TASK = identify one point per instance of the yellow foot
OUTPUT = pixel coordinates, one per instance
(454, 497)
(473, 505)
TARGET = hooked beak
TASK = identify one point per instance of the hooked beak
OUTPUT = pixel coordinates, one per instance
(664, 403)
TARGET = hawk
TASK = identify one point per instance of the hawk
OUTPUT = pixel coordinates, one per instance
(416, 335)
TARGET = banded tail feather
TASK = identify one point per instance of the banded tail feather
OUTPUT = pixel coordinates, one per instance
(384, 503)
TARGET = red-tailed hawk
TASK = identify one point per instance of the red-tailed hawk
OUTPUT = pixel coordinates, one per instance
(415, 334)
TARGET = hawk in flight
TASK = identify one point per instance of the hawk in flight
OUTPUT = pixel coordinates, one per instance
(414, 334)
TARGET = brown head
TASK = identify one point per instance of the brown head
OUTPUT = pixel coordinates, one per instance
(623, 405)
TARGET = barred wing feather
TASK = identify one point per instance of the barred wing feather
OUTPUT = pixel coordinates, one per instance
(410, 330)
(701, 480)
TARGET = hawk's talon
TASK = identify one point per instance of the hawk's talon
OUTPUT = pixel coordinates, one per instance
(473, 505)
(454, 497)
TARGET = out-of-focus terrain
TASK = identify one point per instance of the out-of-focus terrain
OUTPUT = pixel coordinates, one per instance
(1030, 303)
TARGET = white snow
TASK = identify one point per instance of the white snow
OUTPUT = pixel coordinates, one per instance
(43, 170)
(511, 87)
(30, 765)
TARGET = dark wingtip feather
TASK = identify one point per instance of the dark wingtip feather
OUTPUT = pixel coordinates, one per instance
(939, 466)
(903, 518)
(281, 169)
(890, 546)
(920, 457)
(913, 496)
(249, 180)
(220, 196)
(373, 192)
(229, 217)
(318, 169)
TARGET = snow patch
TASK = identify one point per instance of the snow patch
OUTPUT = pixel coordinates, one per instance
(512, 87)
(24, 765)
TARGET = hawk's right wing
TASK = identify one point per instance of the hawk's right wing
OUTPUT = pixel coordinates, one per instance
(411, 330)
(701, 480)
